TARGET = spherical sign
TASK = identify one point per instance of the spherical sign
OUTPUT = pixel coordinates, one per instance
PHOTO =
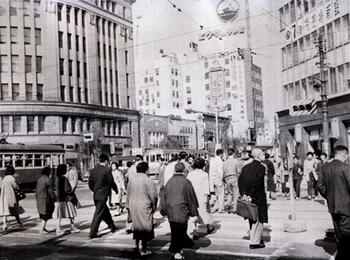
(227, 10)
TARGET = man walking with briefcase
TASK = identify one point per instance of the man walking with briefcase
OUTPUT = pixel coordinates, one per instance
(251, 187)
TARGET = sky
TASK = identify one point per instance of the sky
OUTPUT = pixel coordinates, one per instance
(159, 25)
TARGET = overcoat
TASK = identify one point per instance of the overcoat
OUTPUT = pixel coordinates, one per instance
(251, 183)
(334, 185)
(141, 199)
(45, 196)
(8, 203)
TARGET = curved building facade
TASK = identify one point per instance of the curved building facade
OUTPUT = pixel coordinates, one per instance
(67, 68)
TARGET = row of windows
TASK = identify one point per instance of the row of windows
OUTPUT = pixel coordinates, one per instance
(15, 64)
(336, 80)
(31, 93)
(294, 10)
(13, 36)
(13, 124)
(335, 33)
(26, 160)
(70, 125)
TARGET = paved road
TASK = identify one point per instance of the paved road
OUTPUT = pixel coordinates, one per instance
(230, 241)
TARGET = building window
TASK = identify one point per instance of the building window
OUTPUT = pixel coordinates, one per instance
(14, 35)
(15, 64)
(39, 64)
(38, 36)
(78, 69)
(140, 103)
(71, 94)
(61, 66)
(39, 92)
(4, 91)
(84, 44)
(3, 63)
(146, 80)
(69, 39)
(15, 91)
(63, 93)
(30, 123)
(3, 34)
(189, 102)
(206, 75)
(188, 90)
(26, 35)
(59, 12)
(188, 79)
(126, 58)
(70, 67)
(16, 124)
(41, 121)
(5, 124)
(13, 11)
(83, 14)
(68, 9)
(228, 84)
(85, 70)
(207, 88)
(76, 13)
(28, 64)
(60, 39)
(127, 80)
(29, 92)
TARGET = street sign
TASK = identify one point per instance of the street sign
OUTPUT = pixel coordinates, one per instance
(303, 107)
(88, 137)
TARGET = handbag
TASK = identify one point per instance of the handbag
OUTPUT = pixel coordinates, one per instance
(247, 210)
(20, 195)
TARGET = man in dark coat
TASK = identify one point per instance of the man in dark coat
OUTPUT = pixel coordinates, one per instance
(334, 185)
(179, 202)
(270, 174)
(251, 187)
(100, 183)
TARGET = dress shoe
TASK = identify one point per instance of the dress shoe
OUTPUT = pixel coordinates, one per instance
(92, 236)
(257, 246)
(113, 228)
(210, 230)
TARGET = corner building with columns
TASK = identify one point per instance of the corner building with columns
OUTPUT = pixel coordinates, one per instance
(67, 68)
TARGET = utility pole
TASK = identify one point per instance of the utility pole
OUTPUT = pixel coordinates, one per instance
(325, 124)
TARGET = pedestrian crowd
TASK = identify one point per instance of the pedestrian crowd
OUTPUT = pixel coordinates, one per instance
(189, 190)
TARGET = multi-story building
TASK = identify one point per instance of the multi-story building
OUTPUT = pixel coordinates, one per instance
(181, 81)
(67, 69)
(303, 24)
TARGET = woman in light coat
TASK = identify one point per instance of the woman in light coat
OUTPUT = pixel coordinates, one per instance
(117, 199)
(8, 203)
(200, 183)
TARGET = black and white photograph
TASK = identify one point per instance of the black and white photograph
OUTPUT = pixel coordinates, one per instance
(175, 129)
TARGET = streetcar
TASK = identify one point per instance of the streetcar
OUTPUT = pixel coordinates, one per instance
(154, 156)
(28, 161)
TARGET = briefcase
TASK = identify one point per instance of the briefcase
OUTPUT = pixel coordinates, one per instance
(247, 210)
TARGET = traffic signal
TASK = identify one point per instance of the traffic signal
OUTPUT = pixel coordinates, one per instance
(303, 107)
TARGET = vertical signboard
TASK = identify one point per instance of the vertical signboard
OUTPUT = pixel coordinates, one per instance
(217, 89)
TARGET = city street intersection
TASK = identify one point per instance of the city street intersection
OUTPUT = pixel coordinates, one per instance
(229, 241)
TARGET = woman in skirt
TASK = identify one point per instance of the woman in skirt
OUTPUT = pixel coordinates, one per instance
(45, 199)
(8, 203)
(66, 200)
